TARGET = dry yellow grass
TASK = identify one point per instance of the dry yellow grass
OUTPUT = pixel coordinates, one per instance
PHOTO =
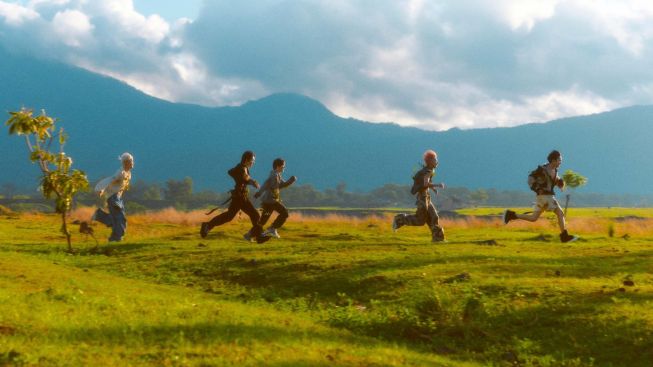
(631, 226)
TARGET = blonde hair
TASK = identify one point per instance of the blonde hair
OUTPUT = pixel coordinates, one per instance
(126, 157)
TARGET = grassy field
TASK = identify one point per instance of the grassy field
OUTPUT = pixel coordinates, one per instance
(606, 213)
(332, 291)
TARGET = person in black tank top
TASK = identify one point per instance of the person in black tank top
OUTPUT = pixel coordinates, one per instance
(240, 201)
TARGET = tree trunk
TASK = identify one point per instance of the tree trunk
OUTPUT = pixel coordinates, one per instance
(568, 196)
(64, 229)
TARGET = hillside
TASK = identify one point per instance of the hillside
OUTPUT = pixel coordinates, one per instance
(105, 117)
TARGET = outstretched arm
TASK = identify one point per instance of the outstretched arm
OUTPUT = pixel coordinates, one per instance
(283, 184)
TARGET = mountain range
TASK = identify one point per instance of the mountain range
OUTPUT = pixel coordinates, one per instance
(105, 117)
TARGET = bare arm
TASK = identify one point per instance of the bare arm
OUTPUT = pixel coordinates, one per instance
(248, 179)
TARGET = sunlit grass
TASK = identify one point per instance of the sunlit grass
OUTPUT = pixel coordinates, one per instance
(572, 212)
(332, 291)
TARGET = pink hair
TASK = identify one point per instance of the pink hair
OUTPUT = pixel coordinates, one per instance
(430, 154)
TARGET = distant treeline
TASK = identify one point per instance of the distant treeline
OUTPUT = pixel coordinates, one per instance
(180, 194)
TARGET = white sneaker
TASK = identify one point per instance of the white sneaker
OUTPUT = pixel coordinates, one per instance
(272, 232)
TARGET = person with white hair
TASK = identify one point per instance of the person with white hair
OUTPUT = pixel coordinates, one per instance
(112, 188)
(426, 212)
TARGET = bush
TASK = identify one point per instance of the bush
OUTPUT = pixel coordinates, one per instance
(5, 211)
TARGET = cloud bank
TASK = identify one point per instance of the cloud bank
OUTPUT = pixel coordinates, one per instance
(431, 64)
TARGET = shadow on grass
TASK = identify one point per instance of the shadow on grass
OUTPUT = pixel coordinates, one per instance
(202, 333)
(102, 249)
(570, 329)
(567, 332)
(208, 334)
(291, 277)
(361, 279)
(274, 280)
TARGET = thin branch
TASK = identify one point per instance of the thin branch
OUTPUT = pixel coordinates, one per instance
(50, 142)
(29, 143)
(44, 167)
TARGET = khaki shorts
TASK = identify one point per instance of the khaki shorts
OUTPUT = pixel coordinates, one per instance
(546, 203)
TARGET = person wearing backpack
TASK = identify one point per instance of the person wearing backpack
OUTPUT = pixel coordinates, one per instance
(240, 201)
(271, 199)
(542, 181)
(426, 212)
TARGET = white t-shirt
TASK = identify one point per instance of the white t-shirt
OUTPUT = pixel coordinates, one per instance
(115, 184)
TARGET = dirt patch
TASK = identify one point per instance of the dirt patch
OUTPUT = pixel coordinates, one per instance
(310, 235)
(629, 218)
(491, 242)
(343, 237)
(542, 238)
(462, 277)
(7, 330)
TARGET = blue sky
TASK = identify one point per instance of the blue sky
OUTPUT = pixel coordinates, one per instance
(169, 9)
(432, 64)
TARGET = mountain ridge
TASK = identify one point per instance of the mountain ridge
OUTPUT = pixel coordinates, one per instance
(105, 117)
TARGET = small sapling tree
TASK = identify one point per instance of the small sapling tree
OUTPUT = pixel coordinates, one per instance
(58, 180)
(572, 180)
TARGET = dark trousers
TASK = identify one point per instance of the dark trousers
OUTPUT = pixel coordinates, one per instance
(115, 218)
(238, 203)
(268, 209)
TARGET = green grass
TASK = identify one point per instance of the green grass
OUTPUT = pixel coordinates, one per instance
(575, 212)
(327, 293)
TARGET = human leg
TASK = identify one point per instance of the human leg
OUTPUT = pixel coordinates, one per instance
(531, 217)
(266, 214)
(282, 217)
(437, 232)
(102, 217)
(418, 219)
(222, 218)
(561, 219)
(254, 217)
(118, 218)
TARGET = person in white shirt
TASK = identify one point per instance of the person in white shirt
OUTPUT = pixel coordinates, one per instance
(112, 188)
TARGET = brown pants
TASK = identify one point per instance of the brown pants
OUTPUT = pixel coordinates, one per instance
(425, 214)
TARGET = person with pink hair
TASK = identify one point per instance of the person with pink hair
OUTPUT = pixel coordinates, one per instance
(426, 212)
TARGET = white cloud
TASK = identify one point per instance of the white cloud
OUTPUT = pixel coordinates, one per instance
(37, 3)
(128, 22)
(524, 14)
(628, 22)
(430, 64)
(73, 27)
(16, 15)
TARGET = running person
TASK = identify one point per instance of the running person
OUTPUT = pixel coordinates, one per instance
(240, 201)
(542, 181)
(113, 188)
(426, 212)
(271, 198)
